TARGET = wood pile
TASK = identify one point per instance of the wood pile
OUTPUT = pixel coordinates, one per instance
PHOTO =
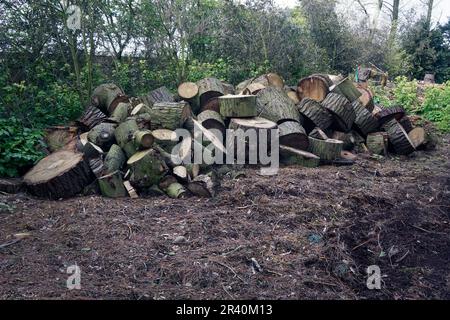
(124, 146)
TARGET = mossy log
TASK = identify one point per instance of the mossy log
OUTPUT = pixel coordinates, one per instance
(209, 88)
(12, 186)
(176, 191)
(125, 136)
(326, 149)
(273, 104)
(169, 115)
(103, 135)
(114, 160)
(377, 143)
(342, 110)
(143, 139)
(111, 185)
(398, 138)
(347, 89)
(144, 121)
(147, 168)
(104, 96)
(365, 122)
(166, 139)
(60, 175)
(314, 114)
(238, 106)
(120, 113)
(292, 134)
(315, 87)
(91, 117)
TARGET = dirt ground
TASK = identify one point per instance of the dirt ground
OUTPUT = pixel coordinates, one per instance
(312, 232)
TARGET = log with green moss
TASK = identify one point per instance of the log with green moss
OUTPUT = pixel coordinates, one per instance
(125, 136)
(111, 185)
(169, 115)
(147, 168)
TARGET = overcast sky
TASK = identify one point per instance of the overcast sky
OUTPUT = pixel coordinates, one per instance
(441, 10)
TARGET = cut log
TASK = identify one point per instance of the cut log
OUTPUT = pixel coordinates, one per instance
(60, 175)
(326, 149)
(315, 115)
(388, 114)
(212, 120)
(143, 139)
(291, 156)
(160, 95)
(342, 110)
(12, 186)
(116, 102)
(318, 133)
(176, 191)
(237, 106)
(92, 151)
(114, 160)
(111, 185)
(212, 105)
(166, 181)
(293, 135)
(348, 156)
(406, 124)
(365, 122)
(125, 136)
(97, 166)
(188, 90)
(202, 186)
(130, 190)
(147, 168)
(270, 80)
(203, 134)
(193, 170)
(377, 143)
(228, 88)
(120, 113)
(166, 139)
(398, 138)
(347, 89)
(140, 109)
(253, 89)
(144, 121)
(102, 135)
(104, 96)
(170, 115)
(366, 98)
(347, 139)
(275, 105)
(91, 117)
(180, 172)
(419, 137)
(293, 96)
(209, 88)
(57, 137)
(315, 87)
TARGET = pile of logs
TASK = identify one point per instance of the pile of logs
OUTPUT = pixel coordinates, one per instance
(124, 146)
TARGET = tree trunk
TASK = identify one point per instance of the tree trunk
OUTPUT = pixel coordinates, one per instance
(388, 114)
(188, 90)
(326, 149)
(366, 99)
(102, 135)
(125, 136)
(346, 88)
(176, 191)
(406, 124)
(114, 160)
(160, 95)
(12, 186)
(237, 106)
(315, 87)
(377, 143)
(398, 138)
(170, 115)
(143, 139)
(141, 108)
(97, 166)
(342, 110)
(104, 96)
(275, 105)
(315, 115)
(419, 137)
(60, 175)
(91, 117)
(166, 139)
(293, 135)
(291, 156)
(212, 120)
(209, 88)
(111, 185)
(228, 88)
(120, 114)
(91, 151)
(365, 122)
(147, 168)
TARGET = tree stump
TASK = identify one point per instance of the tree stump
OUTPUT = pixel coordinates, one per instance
(60, 175)
(293, 135)
(342, 110)
(398, 138)
(237, 106)
(103, 135)
(114, 160)
(315, 87)
(326, 149)
(111, 185)
(147, 168)
(315, 115)
(209, 88)
(91, 117)
(125, 136)
(170, 115)
(273, 104)
(365, 122)
(104, 96)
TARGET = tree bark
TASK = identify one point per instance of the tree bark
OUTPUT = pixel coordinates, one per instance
(114, 160)
(346, 88)
(342, 110)
(125, 136)
(160, 95)
(293, 135)
(111, 185)
(97, 166)
(12, 186)
(170, 115)
(366, 99)
(315, 87)
(326, 149)
(147, 168)
(120, 113)
(104, 95)
(406, 124)
(377, 143)
(388, 114)
(315, 115)
(209, 88)
(91, 117)
(211, 120)
(202, 186)
(275, 105)
(318, 133)
(398, 138)
(102, 135)
(237, 106)
(365, 122)
(60, 175)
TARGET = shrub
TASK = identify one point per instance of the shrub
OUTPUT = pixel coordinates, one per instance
(405, 94)
(436, 106)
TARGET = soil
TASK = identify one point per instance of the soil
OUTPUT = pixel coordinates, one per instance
(304, 234)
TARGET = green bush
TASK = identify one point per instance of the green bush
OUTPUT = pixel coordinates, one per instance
(436, 106)
(405, 94)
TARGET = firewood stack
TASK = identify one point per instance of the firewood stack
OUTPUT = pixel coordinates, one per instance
(125, 144)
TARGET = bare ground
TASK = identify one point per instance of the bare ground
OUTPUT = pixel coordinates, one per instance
(313, 232)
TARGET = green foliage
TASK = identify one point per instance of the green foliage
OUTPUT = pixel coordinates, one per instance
(405, 94)
(436, 106)
(219, 69)
(20, 147)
